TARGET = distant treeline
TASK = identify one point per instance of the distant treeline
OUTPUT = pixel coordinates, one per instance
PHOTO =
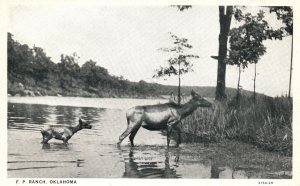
(31, 72)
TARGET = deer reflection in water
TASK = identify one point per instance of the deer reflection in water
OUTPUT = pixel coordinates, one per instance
(55, 147)
(220, 170)
(216, 169)
(146, 169)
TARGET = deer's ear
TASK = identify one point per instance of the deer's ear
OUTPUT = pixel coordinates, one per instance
(193, 93)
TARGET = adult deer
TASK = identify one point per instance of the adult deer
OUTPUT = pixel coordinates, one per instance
(161, 116)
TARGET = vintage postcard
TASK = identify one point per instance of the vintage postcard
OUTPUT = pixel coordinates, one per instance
(139, 92)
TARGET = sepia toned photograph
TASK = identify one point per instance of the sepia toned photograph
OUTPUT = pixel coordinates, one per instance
(149, 91)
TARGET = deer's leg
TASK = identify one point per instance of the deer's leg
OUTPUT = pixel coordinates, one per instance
(169, 130)
(175, 127)
(46, 138)
(132, 125)
(43, 141)
(170, 125)
(132, 135)
(125, 134)
(66, 139)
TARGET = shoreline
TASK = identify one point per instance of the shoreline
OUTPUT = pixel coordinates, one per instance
(77, 96)
(105, 103)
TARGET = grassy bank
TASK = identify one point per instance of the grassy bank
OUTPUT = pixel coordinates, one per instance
(266, 123)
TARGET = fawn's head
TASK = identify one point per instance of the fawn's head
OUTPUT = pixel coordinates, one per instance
(84, 124)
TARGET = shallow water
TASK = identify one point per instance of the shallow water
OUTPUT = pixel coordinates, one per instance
(93, 153)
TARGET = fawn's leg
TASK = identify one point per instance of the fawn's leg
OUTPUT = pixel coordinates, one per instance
(66, 139)
(46, 138)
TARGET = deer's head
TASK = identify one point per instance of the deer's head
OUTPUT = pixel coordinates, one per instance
(84, 124)
(200, 101)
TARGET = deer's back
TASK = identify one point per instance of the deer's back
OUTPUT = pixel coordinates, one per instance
(56, 131)
(155, 114)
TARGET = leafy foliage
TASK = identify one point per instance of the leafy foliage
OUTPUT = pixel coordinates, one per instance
(38, 73)
(92, 74)
(182, 7)
(284, 13)
(179, 63)
(246, 41)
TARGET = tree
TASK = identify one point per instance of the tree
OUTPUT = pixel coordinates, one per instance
(246, 43)
(179, 63)
(11, 53)
(225, 21)
(35, 70)
(19, 57)
(285, 14)
(42, 65)
(182, 7)
(93, 74)
(88, 73)
(68, 66)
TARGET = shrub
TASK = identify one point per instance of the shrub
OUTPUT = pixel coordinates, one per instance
(266, 123)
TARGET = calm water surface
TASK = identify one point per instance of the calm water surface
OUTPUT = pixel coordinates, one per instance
(93, 153)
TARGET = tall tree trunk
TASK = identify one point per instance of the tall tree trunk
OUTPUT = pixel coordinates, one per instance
(225, 21)
(179, 82)
(291, 68)
(254, 93)
(238, 88)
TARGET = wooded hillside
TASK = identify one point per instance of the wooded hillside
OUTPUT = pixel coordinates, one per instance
(32, 73)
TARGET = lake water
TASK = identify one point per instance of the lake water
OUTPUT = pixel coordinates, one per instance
(93, 153)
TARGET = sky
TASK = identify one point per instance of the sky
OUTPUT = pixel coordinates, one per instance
(125, 40)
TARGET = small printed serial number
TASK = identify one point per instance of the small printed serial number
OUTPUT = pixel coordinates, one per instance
(265, 182)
